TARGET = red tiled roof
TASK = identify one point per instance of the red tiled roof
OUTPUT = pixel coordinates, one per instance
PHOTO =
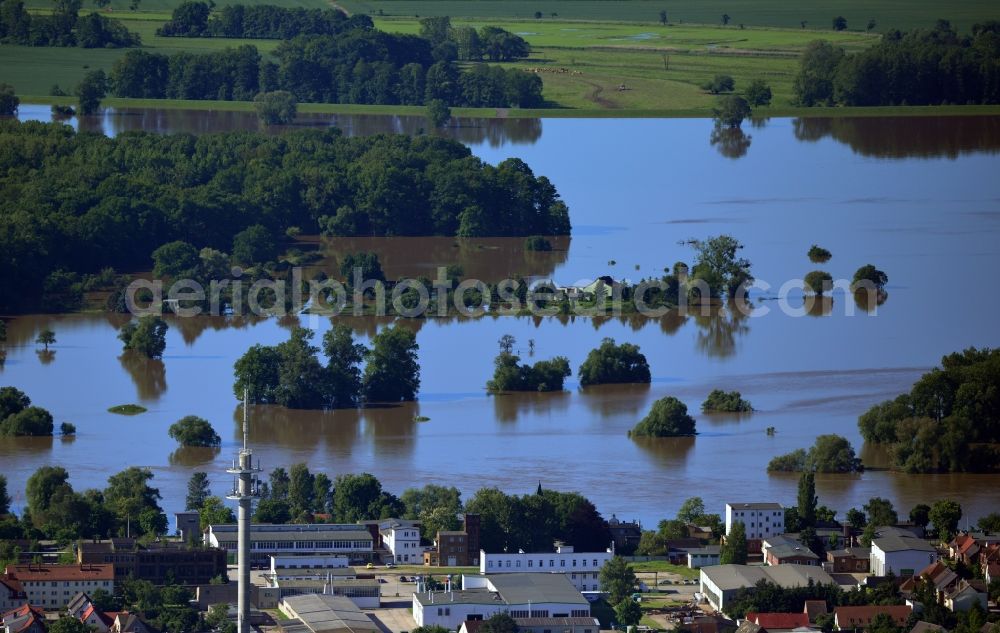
(851, 617)
(11, 583)
(779, 620)
(26, 573)
(24, 617)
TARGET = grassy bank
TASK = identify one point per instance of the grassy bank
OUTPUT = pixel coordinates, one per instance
(886, 13)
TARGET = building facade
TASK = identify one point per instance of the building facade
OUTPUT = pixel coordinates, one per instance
(580, 568)
(53, 586)
(402, 539)
(760, 520)
(519, 595)
(12, 593)
(316, 539)
(165, 562)
(900, 555)
(721, 583)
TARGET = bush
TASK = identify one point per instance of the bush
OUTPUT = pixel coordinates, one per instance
(667, 418)
(610, 363)
(194, 431)
(9, 101)
(818, 282)
(67, 429)
(725, 402)
(545, 375)
(830, 454)
(758, 93)
(32, 421)
(719, 84)
(819, 255)
(731, 111)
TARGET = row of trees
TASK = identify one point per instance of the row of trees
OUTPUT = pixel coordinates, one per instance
(121, 198)
(63, 27)
(829, 454)
(262, 21)
(950, 420)
(55, 510)
(355, 66)
(467, 44)
(919, 67)
(291, 375)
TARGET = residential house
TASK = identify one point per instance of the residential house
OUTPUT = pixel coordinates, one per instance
(814, 609)
(942, 577)
(83, 609)
(850, 560)
(720, 583)
(964, 547)
(581, 568)
(845, 618)
(760, 520)
(965, 594)
(520, 595)
(53, 586)
(899, 555)
(11, 593)
(126, 622)
(779, 622)
(785, 550)
(24, 619)
(927, 627)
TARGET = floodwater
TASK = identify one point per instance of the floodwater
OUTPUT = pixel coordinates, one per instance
(917, 197)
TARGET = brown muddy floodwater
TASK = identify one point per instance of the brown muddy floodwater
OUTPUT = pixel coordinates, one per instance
(918, 197)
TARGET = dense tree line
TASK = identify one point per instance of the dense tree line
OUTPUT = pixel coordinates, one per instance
(829, 454)
(63, 27)
(258, 22)
(919, 67)
(81, 202)
(532, 522)
(468, 44)
(360, 65)
(950, 420)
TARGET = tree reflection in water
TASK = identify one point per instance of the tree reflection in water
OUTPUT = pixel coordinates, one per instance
(46, 356)
(732, 142)
(193, 456)
(670, 452)
(719, 329)
(870, 301)
(507, 407)
(627, 400)
(149, 376)
(818, 306)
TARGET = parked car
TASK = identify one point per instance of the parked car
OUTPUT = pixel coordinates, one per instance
(369, 566)
(390, 565)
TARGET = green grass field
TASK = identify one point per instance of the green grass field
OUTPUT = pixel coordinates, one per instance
(610, 68)
(903, 14)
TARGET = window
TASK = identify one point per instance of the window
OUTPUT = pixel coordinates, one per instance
(595, 562)
(552, 563)
(490, 564)
(508, 563)
(530, 562)
(562, 562)
(517, 563)
(574, 562)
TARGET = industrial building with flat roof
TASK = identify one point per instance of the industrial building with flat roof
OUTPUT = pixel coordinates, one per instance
(324, 614)
(520, 595)
(314, 539)
(720, 583)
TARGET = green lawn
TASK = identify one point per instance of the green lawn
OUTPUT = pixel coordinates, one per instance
(901, 14)
(664, 566)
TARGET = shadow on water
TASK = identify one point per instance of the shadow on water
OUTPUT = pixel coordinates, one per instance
(906, 137)
(148, 375)
(509, 406)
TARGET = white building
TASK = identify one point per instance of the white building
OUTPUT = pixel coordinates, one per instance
(580, 568)
(900, 555)
(720, 583)
(761, 520)
(314, 539)
(703, 556)
(402, 539)
(51, 587)
(520, 595)
(288, 567)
